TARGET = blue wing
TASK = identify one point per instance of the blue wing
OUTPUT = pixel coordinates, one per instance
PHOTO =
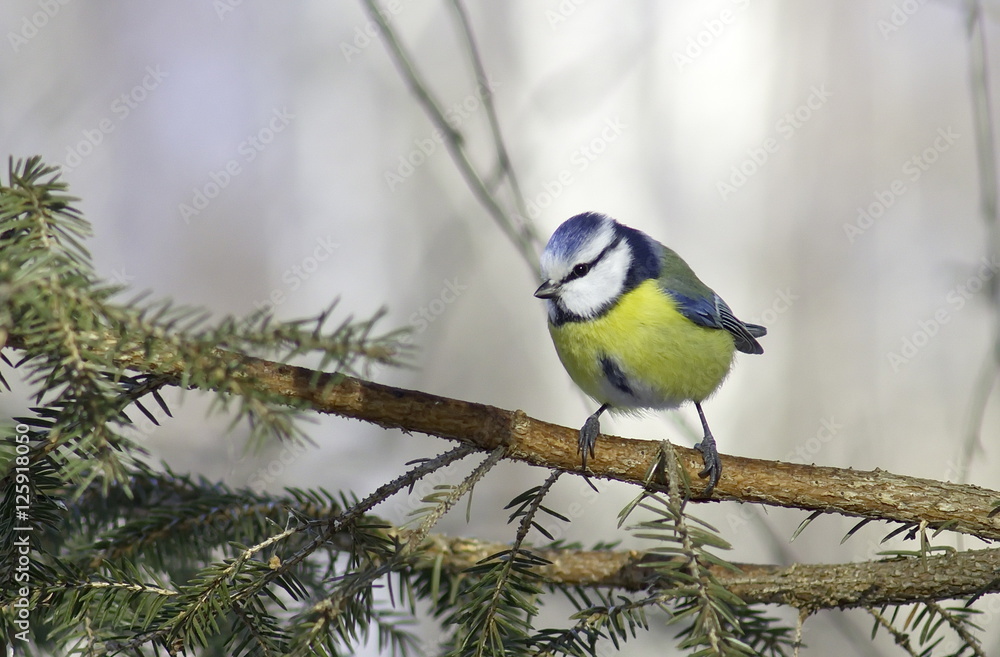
(713, 312)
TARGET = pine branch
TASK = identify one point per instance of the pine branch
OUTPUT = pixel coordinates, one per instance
(350, 603)
(504, 588)
(873, 494)
(803, 586)
(959, 625)
(713, 624)
(901, 638)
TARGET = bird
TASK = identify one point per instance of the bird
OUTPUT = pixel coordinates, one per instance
(635, 328)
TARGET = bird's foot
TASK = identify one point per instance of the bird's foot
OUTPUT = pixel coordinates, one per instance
(713, 465)
(588, 437)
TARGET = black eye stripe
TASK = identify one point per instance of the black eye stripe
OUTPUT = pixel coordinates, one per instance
(575, 274)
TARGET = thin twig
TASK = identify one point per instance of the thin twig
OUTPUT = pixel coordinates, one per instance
(502, 580)
(337, 523)
(453, 139)
(969, 640)
(406, 480)
(505, 166)
(902, 639)
(800, 623)
(457, 493)
(986, 155)
(414, 539)
(708, 615)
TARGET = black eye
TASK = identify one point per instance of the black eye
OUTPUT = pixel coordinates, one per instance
(581, 269)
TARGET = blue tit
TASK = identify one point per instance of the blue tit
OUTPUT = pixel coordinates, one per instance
(634, 327)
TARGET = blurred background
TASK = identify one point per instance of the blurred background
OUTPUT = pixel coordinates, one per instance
(815, 163)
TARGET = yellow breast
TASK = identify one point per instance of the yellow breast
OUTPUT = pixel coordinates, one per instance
(663, 357)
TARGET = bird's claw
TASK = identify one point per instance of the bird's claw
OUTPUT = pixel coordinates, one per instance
(713, 464)
(588, 437)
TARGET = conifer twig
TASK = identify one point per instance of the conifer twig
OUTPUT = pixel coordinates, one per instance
(970, 641)
(902, 639)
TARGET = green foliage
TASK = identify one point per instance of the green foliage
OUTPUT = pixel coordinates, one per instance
(497, 608)
(715, 622)
(927, 625)
(78, 342)
(125, 557)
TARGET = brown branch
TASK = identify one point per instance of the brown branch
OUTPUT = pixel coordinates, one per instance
(804, 586)
(873, 494)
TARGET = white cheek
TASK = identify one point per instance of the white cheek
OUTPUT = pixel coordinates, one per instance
(588, 295)
(588, 300)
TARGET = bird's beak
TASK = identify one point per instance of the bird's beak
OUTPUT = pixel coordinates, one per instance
(547, 290)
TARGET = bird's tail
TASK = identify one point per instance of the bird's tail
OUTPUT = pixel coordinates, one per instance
(756, 330)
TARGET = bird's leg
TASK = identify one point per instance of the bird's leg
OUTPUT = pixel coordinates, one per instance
(713, 465)
(589, 433)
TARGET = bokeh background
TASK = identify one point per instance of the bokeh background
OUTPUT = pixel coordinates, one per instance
(815, 162)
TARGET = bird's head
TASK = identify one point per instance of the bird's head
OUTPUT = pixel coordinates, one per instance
(589, 262)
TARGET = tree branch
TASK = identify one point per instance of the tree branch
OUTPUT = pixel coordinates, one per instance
(873, 494)
(803, 586)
